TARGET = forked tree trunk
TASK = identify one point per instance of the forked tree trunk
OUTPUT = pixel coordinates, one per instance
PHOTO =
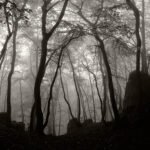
(36, 121)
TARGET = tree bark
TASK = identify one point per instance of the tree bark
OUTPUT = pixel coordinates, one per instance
(21, 100)
(36, 125)
(110, 81)
(144, 53)
(137, 27)
(15, 28)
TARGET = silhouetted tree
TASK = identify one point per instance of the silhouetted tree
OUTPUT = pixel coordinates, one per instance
(36, 122)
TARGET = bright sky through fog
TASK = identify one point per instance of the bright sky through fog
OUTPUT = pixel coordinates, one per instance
(24, 53)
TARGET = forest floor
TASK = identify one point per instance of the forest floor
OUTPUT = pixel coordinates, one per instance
(133, 137)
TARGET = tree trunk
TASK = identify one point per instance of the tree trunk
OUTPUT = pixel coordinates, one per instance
(76, 88)
(8, 37)
(21, 100)
(36, 113)
(65, 98)
(15, 28)
(88, 105)
(104, 88)
(144, 53)
(92, 92)
(138, 53)
(137, 27)
(51, 88)
(36, 121)
(59, 127)
(110, 81)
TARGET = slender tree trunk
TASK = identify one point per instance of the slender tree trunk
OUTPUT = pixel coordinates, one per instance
(104, 88)
(137, 27)
(92, 92)
(54, 107)
(98, 92)
(8, 37)
(93, 100)
(76, 88)
(3, 75)
(81, 96)
(144, 53)
(99, 96)
(65, 97)
(87, 101)
(15, 28)
(59, 127)
(21, 100)
(110, 81)
(51, 88)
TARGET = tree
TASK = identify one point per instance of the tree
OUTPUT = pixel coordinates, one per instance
(110, 81)
(65, 97)
(95, 33)
(76, 88)
(15, 22)
(144, 53)
(9, 35)
(36, 123)
(137, 28)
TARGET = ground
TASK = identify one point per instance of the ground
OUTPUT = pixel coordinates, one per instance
(111, 137)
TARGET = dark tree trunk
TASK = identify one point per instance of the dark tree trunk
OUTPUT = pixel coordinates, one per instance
(15, 28)
(36, 121)
(51, 89)
(110, 81)
(137, 28)
(144, 53)
(104, 78)
(36, 113)
(138, 53)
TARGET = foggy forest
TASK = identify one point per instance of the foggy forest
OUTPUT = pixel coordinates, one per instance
(74, 74)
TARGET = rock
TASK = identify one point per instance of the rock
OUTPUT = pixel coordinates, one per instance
(87, 123)
(137, 94)
(19, 126)
(3, 118)
(73, 126)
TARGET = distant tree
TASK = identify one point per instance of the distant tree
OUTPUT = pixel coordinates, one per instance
(7, 19)
(144, 50)
(94, 29)
(76, 88)
(15, 23)
(65, 96)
